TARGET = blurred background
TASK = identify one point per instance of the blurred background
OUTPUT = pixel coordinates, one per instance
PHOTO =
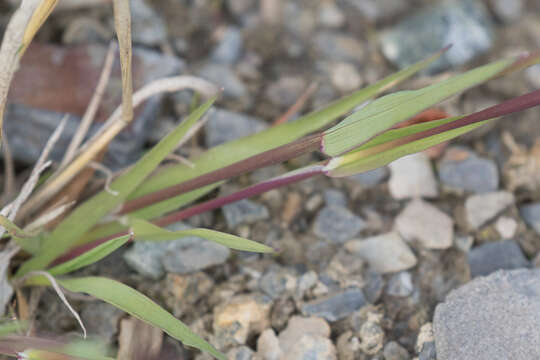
(267, 55)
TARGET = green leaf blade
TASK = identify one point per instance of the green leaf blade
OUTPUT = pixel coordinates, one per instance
(145, 231)
(234, 151)
(139, 306)
(84, 217)
(389, 110)
(90, 257)
(355, 162)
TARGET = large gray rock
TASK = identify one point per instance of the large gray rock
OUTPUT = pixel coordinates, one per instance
(491, 318)
(500, 255)
(463, 23)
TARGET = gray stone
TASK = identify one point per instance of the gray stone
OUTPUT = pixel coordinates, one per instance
(533, 75)
(491, 318)
(223, 76)
(345, 77)
(148, 28)
(29, 125)
(531, 215)
(240, 7)
(428, 352)
(277, 281)
(400, 284)
(224, 126)
(385, 253)
(330, 15)
(372, 178)
(286, 90)
(337, 224)
(508, 11)
(463, 23)
(333, 197)
(462, 169)
(240, 353)
(229, 48)
(182, 256)
(268, 345)
(338, 46)
(493, 256)
(424, 222)
(336, 306)
(374, 286)
(145, 258)
(412, 176)
(379, 10)
(482, 208)
(191, 254)
(312, 347)
(394, 351)
(244, 212)
(299, 326)
(101, 319)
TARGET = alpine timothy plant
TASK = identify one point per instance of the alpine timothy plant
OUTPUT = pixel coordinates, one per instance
(354, 134)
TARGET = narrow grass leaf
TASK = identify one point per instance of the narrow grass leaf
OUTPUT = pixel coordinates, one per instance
(139, 306)
(145, 231)
(234, 151)
(358, 161)
(90, 257)
(389, 110)
(84, 217)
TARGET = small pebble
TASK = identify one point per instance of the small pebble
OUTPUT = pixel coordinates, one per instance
(244, 212)
(394, 351)
(412, 176)
(531, 215)
(426, 223)
(385, 253)
(506, 226)
(337, 224)
(482, 208)
(335, 306)
(400, 284)
(489, 257)
(345, 77)
(461, 169)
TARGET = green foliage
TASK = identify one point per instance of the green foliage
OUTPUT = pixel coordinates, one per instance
(389, 110)
(139, 306)
(145, 231)
(84, 217)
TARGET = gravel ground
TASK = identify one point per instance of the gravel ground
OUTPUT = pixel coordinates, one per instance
(429, 258)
